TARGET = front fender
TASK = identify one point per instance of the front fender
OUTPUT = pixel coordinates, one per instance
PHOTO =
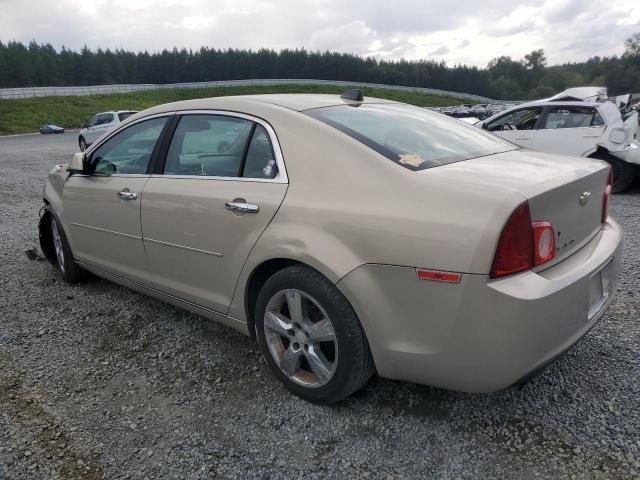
(53, 187)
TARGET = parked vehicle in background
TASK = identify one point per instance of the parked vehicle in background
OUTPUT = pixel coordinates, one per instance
(575, 128)
(100, 124)
(347, 240)
(50, 128)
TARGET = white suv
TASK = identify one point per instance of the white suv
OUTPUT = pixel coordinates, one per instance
(100, 124)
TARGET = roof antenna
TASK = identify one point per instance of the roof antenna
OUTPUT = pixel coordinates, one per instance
(354, 95)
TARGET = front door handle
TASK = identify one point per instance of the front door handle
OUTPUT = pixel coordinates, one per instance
(242, 207)
(125, 194)
(523, 138)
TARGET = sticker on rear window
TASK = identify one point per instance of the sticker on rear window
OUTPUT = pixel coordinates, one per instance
(411, 159)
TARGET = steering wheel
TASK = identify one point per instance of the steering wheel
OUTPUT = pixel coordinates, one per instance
(508, 126)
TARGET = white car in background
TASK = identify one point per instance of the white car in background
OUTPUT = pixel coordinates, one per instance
(100, 124)
(570, 125)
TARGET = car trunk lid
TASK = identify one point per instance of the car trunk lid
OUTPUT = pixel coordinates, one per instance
(567, 192)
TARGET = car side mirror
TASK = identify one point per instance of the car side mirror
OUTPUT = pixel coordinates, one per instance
(85, 125)
(76, 165)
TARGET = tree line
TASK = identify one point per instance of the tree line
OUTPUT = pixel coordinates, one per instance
(504, 78)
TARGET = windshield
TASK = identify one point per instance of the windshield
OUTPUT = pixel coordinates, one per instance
(413, 137)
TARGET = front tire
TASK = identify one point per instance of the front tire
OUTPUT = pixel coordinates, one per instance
(310, 336)
(64, 260)
(623, 172)
(83, 144)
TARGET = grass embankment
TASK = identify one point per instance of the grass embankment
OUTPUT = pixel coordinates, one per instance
(27, 115)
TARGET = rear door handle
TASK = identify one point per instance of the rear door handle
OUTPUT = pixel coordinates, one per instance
(242, 207)
(125, 194)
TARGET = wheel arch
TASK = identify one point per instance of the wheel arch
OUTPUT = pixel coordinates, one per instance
(44, 233)
(257, 278)
(598, 150)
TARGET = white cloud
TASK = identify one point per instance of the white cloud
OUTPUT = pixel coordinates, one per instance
(465, 31)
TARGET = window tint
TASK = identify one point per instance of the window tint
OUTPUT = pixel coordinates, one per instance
(94, 120)
(261, 161)
(573, 117)
(524, 119)
(123, 115)
(413, 137)
(128, 151)
(211, 145)
(107, 118)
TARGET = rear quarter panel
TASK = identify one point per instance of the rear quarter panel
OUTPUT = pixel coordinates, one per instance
(346, 206)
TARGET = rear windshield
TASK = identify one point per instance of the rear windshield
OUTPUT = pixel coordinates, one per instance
(413, 137)
(123, 115)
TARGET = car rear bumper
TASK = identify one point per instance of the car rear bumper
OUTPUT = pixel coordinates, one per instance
(482, 335)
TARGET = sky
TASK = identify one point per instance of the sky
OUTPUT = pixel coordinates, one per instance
(470, 32)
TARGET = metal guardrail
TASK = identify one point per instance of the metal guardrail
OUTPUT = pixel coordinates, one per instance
(13, 93)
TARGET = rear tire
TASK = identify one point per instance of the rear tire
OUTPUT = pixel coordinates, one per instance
(321, 353)
(64, 261)
(623, 172)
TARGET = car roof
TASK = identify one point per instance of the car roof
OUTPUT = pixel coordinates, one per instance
(292, 101)
(570, 103)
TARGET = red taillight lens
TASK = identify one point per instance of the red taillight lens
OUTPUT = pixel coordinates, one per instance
(544, 242)
(515, 248)
(523, 244)
(606, 196)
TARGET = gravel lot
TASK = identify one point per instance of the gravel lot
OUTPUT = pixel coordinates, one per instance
(100, 382)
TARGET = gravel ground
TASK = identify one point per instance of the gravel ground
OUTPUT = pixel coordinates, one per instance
(97, 381)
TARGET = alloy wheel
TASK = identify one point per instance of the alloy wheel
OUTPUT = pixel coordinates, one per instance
(301, 338)
(57, 243)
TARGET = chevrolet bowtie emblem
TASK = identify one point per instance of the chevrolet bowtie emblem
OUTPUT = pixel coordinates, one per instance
(584, 198)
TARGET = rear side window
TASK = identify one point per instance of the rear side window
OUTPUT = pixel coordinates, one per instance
(413, 137)
(209, 145)
(523, 119)
(573, 117)
(260, 161)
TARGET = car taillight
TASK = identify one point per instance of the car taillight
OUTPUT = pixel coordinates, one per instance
(523, 244)
(515, 248)
(544, 242)
(606, 196)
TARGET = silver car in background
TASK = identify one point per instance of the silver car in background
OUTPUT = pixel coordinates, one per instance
(100, 124)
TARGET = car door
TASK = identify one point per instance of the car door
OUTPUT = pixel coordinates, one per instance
(569, 130)
(102, 210)
(222, 181)
(518, 126)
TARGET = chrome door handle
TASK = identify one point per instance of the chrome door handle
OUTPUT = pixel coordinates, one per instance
(125, 194)
(242, 207)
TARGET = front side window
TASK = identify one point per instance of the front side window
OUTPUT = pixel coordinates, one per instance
(524, 119)
(413, 137)
(128, 151)
(573, 117)
(94, 120)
